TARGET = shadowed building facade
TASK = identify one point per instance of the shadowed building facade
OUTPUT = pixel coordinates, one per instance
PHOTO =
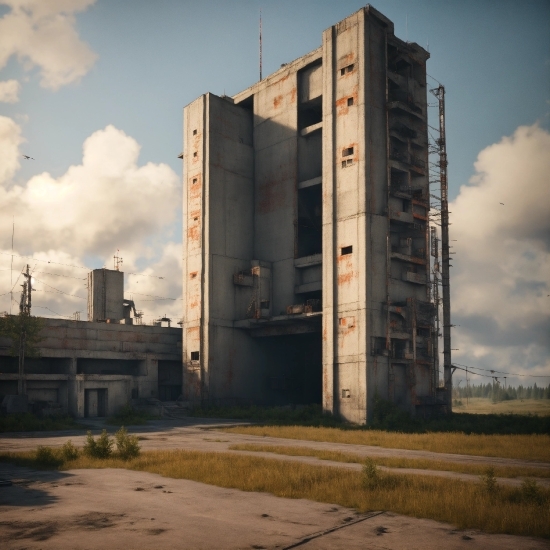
(306, 242)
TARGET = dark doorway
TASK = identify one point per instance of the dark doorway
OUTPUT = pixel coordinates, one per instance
(170, 380)
(295, 370)
(95, 403)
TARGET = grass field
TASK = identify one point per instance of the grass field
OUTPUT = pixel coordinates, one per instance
(396, 462)
(480, 405)
(467, 505)
(525, 447)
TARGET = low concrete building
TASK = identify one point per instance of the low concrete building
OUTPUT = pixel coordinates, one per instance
(93, 368)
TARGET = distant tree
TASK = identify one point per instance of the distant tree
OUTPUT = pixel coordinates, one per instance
(24, 332)
(13, 326)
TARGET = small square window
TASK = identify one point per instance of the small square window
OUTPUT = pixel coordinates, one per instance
(194, 132)
(193, 275)
(195, 180)
(347, 250)
(195, 219)
(350, 101)
(346, 394)
(195, 154)
(347, 152)
(342, 71)
(195, 355)
(343, 164)
(349, 68)
(349, 161)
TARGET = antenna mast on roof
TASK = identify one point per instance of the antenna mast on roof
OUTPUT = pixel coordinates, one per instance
(117, 260)
(260, 44)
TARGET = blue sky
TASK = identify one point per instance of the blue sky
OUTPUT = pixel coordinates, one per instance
(156, 57)
(123, 70)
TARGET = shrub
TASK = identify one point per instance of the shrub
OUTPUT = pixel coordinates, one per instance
(69, 451)
(371, 475)
(489, 482)
(45, 456)
(530, 492)
(127, 445)
(100, 448)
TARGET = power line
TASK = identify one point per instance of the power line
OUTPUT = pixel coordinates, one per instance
(61, 291)
(46, 261)
(60, 275)
(472, 371)
(44, 307)
(78, 266)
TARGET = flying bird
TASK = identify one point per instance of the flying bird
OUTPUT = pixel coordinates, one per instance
(26, 157)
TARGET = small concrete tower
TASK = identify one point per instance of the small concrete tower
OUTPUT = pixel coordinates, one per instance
(105, 295)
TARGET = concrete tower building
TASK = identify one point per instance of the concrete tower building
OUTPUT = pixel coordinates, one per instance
(306, 251)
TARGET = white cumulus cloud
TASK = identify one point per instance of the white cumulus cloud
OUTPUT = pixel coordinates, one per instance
(501, 276)
(107, 202)
(10, 140)
(41, 33)
(9, 91)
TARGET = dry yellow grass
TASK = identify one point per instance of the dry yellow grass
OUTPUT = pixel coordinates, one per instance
(460, 503)
(395, 462)
(524, 447)
(480, 405)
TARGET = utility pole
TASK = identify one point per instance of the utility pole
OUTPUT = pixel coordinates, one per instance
(439, 93)
(434, 241)
(24, 312)
(467, 386)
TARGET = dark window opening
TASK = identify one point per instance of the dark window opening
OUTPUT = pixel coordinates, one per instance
(128, 367)
(347, 151)
(345, 70)
(135, 393)
(195, 180)
(347, 250)
(264, 304)
(346, 394)
(399, 349)
(310, 113)
(195, 355)
(350, 101)
(194, 132)
(310, 221)
(378, 346)
(195, 154)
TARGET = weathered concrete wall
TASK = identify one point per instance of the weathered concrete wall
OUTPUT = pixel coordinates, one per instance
(76, 356)
(105, 294)
(332, 185)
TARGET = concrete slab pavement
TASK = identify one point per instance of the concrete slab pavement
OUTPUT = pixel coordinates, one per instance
(103, 509)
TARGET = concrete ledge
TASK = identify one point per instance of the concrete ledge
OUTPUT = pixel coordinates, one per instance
(310, 183)
(308, 287)
(310, 129)
(308, 261)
